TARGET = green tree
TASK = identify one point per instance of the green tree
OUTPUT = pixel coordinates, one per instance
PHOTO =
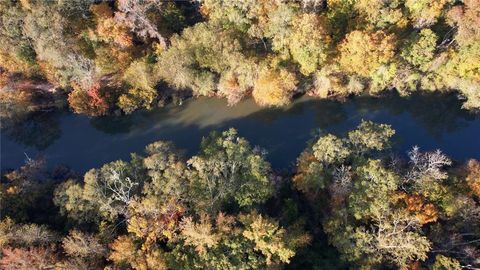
(420, 51)
(392, 236)
(330, 149)
(444, 263)
(136, 98)
(370, 136)
(106, 193)
(328, 158)
(196, 56)
(166, 168)
(309, 42)
(228, 169)
(270, 239)
(247, 241)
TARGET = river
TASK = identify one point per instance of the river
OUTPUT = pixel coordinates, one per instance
(430, 121)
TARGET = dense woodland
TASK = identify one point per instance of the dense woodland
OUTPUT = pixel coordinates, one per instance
(350, 203)
(101, 57)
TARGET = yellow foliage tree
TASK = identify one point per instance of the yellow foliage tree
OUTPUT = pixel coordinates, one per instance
(274, 87)
(379, 13)
(269, 238)
(363, 53)
(125, 252)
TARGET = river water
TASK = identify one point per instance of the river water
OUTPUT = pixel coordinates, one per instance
(430, 121)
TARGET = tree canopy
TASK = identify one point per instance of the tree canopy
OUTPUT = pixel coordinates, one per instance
(120, 55)
(348, 203)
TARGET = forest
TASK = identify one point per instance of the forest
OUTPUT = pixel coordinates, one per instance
(350, 200)
(350, 203)
(104, 57)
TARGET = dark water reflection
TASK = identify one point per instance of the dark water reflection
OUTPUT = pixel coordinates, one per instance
(39, 130)
(430, 121)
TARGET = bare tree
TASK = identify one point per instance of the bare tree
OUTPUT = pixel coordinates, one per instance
(314, 5)
(426, 166)
(117, 190)
(84, 245)
(135, 14)
(112, 188)
(396, 236)
(342, 181)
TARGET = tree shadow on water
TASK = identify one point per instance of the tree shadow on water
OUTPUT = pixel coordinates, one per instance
(39, 130)
(283, 132)
(437, 113)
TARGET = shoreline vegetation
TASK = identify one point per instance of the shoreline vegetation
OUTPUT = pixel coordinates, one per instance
(350, 203)
(120, 56)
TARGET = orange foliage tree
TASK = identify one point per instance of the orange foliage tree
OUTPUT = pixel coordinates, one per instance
(473, 177)
(27, 259)
(274, 88)
(92, 102)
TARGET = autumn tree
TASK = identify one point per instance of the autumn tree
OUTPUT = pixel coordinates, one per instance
(369, 220)
(461, 68)
(329, 49)
(381, 14)
(25, 235)
(363, 53)
(142, 92)
(93, 102)
(274, 87)
(425, 13)
(28, 259)
(251, 17)
(465, 18)
(22, 190)
(111, 40)
(55, 51)
(180, 198)
(309, 42)
(473, 178)
(126, 253)
(249, 241)
(16, 53)
(137, 16)
(83, 251)
(444, 262)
